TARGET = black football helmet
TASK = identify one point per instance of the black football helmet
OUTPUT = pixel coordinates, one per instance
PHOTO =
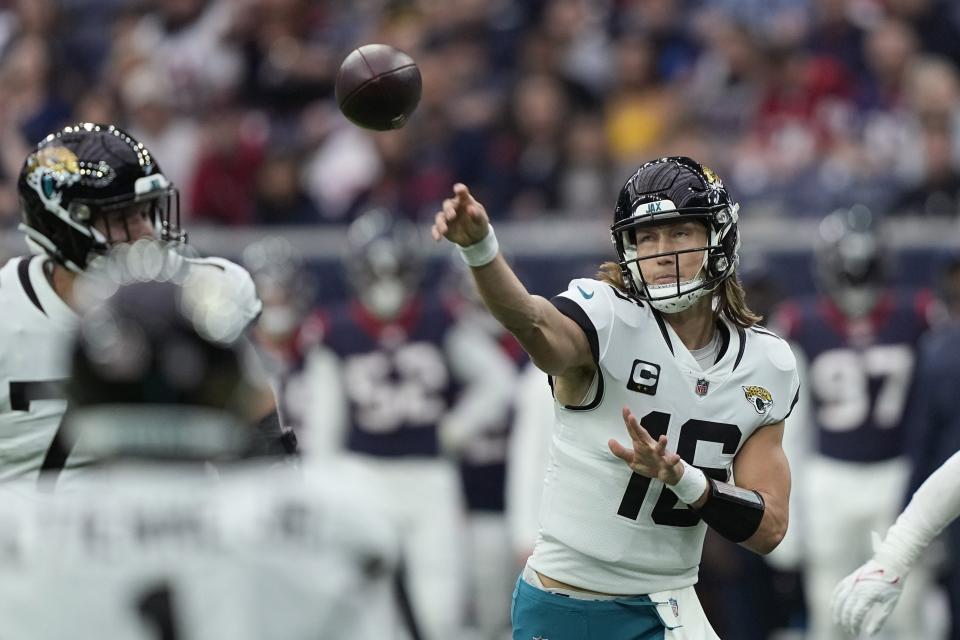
(850, 259)
(148, 380)
(87, 173)
(384, 262)
(668, 190)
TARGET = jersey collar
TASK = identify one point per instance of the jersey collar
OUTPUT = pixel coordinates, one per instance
(52, 304)
(732, 344)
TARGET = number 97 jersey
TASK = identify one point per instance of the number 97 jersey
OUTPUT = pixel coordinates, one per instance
(604, 528)
(859, 371)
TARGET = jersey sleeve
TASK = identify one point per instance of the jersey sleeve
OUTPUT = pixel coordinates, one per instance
(237, 281)
(589, 303)
(784, 364)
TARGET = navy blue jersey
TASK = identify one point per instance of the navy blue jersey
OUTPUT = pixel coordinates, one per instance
(285, 363)
(859, 371)
(934, 424)
(396, 377)
(483, 470)
(932, 416)
(483, 462)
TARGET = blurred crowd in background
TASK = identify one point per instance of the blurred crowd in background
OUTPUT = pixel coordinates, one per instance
(539, 105)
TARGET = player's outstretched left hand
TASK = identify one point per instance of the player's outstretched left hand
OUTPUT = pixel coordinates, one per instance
(648, 457)
(865, 598)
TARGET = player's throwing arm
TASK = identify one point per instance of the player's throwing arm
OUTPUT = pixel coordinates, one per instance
(554, 342)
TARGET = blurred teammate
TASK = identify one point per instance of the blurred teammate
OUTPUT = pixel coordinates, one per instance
(527, 460)
(859, 341)
(289, 326)
(482, 460)
(702, 393)
(933, 421)
(403, 385)
(152, 542)
(84, 189)
(865, 598)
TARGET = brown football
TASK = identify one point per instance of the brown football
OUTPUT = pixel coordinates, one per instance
(378, 87)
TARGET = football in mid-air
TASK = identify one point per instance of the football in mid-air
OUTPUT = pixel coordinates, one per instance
(378, 87)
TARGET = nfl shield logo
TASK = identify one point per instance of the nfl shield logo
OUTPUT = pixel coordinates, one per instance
(674, 607)
(703, 386)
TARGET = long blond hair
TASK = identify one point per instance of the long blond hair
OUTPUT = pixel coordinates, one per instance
(731, 299)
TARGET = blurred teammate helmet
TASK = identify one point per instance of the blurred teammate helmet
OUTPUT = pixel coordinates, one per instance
(850, 259)
(283, 283)
(148, 379)
(384, 262)
(85, 174)
(671, 190)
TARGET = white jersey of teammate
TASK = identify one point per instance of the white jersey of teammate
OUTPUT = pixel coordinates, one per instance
(172, 551)
(605, 529)
(36, 327)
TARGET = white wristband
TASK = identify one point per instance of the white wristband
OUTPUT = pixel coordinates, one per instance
(483, 252)
(691, 486)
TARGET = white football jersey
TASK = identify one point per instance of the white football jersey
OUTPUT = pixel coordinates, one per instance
(36, 327)
(604, 528)
(170, 551)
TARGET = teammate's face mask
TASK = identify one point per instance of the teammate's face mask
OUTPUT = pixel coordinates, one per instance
(385, 297)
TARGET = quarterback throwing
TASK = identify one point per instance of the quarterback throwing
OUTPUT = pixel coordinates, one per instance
(661, 343)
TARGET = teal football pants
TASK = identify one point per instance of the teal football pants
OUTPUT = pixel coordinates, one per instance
(541, 615)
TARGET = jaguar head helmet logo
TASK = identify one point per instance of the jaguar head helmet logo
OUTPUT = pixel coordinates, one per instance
(759, 398)
(50, 170)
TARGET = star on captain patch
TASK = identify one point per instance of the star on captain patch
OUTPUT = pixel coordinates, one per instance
(703, 385)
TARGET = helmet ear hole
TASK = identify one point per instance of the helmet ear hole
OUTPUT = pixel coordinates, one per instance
(718, 264)
(80, 212)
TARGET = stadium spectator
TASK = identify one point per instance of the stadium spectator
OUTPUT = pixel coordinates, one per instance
(929, 167)
(232, 148)
(278, 197)
(148, 100)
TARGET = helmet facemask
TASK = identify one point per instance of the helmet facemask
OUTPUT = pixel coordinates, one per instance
(671, 190)
(158, 201)
(717, 264)
(850, 259)
(384, 263)
(386, 280)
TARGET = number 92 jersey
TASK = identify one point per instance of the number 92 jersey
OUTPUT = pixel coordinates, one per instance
(604, 528)
(397, 377)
